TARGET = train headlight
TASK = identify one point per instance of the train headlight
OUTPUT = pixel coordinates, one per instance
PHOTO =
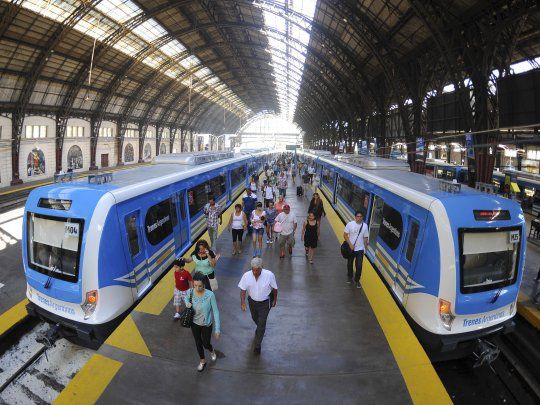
(90, 303)
(445, 312)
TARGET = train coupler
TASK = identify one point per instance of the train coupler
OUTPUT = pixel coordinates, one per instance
(485, 352)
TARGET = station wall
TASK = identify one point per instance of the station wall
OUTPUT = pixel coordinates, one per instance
(37, 159)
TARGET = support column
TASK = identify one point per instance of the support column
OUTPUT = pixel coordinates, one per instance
(119, 142)
(16, 131)
(94, 134)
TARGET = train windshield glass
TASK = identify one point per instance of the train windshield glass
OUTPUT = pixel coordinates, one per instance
(488, 260)
(54, 245)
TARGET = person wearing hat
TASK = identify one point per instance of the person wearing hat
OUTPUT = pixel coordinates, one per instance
(288, 228)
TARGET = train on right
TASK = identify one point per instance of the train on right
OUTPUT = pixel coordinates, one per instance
(451, 256)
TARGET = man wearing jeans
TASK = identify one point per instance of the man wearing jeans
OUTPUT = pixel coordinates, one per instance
(261, 287)
(356, 234)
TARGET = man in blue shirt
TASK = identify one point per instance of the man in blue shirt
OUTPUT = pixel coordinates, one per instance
(248, 205)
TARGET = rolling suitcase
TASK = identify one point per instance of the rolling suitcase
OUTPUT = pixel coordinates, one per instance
(299, 191)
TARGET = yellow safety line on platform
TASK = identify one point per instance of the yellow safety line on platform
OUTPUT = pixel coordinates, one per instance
(128, 337)
(13, 316)
(423, 383)
(90, 382)
(528, 310)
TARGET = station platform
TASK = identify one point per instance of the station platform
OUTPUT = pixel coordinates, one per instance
(325, 342)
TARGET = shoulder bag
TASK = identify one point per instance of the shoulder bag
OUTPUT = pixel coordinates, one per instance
(213, 282)
(346, 251)
(187, 316)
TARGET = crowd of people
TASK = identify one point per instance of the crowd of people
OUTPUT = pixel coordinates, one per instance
(263, 210)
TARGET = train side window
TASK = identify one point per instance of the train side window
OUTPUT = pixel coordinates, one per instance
(411, 243)
(133, 236)
(391, 227)
(197, 198)
(238, 175)
(158, 222)
(355, 196)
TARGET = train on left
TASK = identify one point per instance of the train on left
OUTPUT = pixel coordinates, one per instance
(93, 247)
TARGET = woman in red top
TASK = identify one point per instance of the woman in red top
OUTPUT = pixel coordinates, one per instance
(280, 204)
(182, 283)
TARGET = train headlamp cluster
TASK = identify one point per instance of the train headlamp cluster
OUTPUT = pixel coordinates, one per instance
(445, 312)
(90, 303)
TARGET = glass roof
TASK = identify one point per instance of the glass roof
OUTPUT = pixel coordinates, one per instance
(288, 27)
(109, 16)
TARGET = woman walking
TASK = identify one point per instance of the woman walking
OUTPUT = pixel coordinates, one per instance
(271, 214)
(257, 221)
(205, 260)
(206, 316)
(237, 224)
(310, 235)
(316, 206)
(280, 204)
(253, 186)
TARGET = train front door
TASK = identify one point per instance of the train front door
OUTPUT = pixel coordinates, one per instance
(181, 233)
(137, 251)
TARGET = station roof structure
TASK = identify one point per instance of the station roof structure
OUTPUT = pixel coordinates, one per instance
(210, 65)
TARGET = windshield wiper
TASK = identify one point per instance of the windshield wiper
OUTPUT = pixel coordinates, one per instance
(496, 297)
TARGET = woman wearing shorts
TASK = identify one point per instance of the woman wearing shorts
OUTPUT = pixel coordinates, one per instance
(237, 224)
(271, 214)
(257, 222)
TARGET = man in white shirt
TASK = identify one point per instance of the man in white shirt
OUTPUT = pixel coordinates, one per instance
(261, 288)
(268, 193)
(356, 234)
(288, 228)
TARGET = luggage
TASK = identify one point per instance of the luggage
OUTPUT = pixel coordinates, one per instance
(299, 191)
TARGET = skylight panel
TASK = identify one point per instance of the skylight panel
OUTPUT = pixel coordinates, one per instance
(118, 10)
(150, 30)
(173, 48)
(57, 11)
(288, 28)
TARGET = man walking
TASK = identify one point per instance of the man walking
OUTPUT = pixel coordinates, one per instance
(356, 234)
(260, 286)
(213, 220)
(248, 205)
(288, 224)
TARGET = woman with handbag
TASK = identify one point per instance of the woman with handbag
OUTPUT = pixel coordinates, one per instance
(205, 261)
(237, 224)
(316, 206)
(205, 314)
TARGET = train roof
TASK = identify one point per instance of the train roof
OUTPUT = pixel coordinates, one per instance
(129, 183)
(418, 188)
(373, 162)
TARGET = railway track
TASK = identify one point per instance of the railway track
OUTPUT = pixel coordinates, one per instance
(513, 378)
(34, 369)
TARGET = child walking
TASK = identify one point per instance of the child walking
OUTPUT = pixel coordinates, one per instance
(182, 283)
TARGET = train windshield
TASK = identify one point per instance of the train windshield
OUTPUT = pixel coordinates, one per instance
(54, 245)
(489, 260)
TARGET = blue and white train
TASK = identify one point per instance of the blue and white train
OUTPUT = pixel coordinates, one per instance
(452, 257)
(93, 247)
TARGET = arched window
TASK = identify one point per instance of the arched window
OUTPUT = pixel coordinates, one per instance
(162, 149)
(147, 152)
(35, 164)
(74, 158)
(128, 153)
